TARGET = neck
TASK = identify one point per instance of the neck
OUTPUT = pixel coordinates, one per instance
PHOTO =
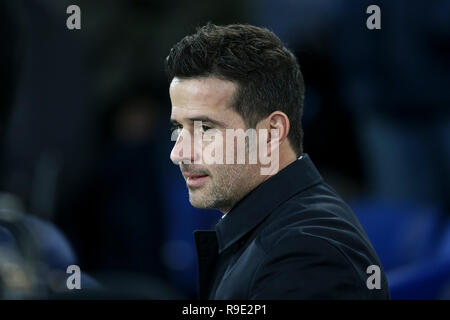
(285, 160)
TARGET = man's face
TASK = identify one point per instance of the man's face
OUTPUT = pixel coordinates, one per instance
(209, 100)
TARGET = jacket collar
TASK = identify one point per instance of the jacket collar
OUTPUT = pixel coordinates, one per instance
(261, 201)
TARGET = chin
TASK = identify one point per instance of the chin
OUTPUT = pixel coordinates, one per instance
(197, 203)
(200, 203)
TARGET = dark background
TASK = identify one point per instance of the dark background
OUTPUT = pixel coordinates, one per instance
(85, 134)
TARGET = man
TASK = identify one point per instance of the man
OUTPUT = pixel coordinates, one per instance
(285, 234)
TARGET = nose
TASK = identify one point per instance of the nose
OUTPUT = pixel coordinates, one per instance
(184, 149)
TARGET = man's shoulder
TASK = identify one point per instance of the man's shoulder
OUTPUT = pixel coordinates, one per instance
(317, 221)
(316, 231)
(301, 265)
(306, 237)
(317, 211)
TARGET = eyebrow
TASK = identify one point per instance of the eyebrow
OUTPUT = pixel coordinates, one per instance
(203, 119)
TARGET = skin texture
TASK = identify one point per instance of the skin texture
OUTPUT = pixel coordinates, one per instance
(225, 184)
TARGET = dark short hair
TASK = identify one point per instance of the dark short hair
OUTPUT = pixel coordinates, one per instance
(267, 74)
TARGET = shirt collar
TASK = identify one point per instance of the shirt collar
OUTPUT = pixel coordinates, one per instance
(261, 201)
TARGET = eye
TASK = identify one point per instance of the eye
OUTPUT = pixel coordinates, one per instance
(205, 128)
(175, 131)
(175, 127)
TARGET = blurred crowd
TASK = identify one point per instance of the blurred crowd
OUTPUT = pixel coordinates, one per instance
(84, 119)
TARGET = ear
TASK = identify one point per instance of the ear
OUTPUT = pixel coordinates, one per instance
(279, 121)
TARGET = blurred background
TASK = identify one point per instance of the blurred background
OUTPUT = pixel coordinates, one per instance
(85, 142)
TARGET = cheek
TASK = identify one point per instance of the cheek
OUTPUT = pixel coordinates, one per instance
(230, 174)
(232, 150)
(214, 148)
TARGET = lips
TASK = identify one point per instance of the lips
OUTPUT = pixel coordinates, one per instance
(195, 179)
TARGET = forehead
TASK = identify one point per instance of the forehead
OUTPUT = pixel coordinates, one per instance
(201, 97)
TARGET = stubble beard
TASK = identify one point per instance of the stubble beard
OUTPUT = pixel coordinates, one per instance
(224, 188)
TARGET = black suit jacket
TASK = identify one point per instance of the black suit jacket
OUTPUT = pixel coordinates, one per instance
(292, 237)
